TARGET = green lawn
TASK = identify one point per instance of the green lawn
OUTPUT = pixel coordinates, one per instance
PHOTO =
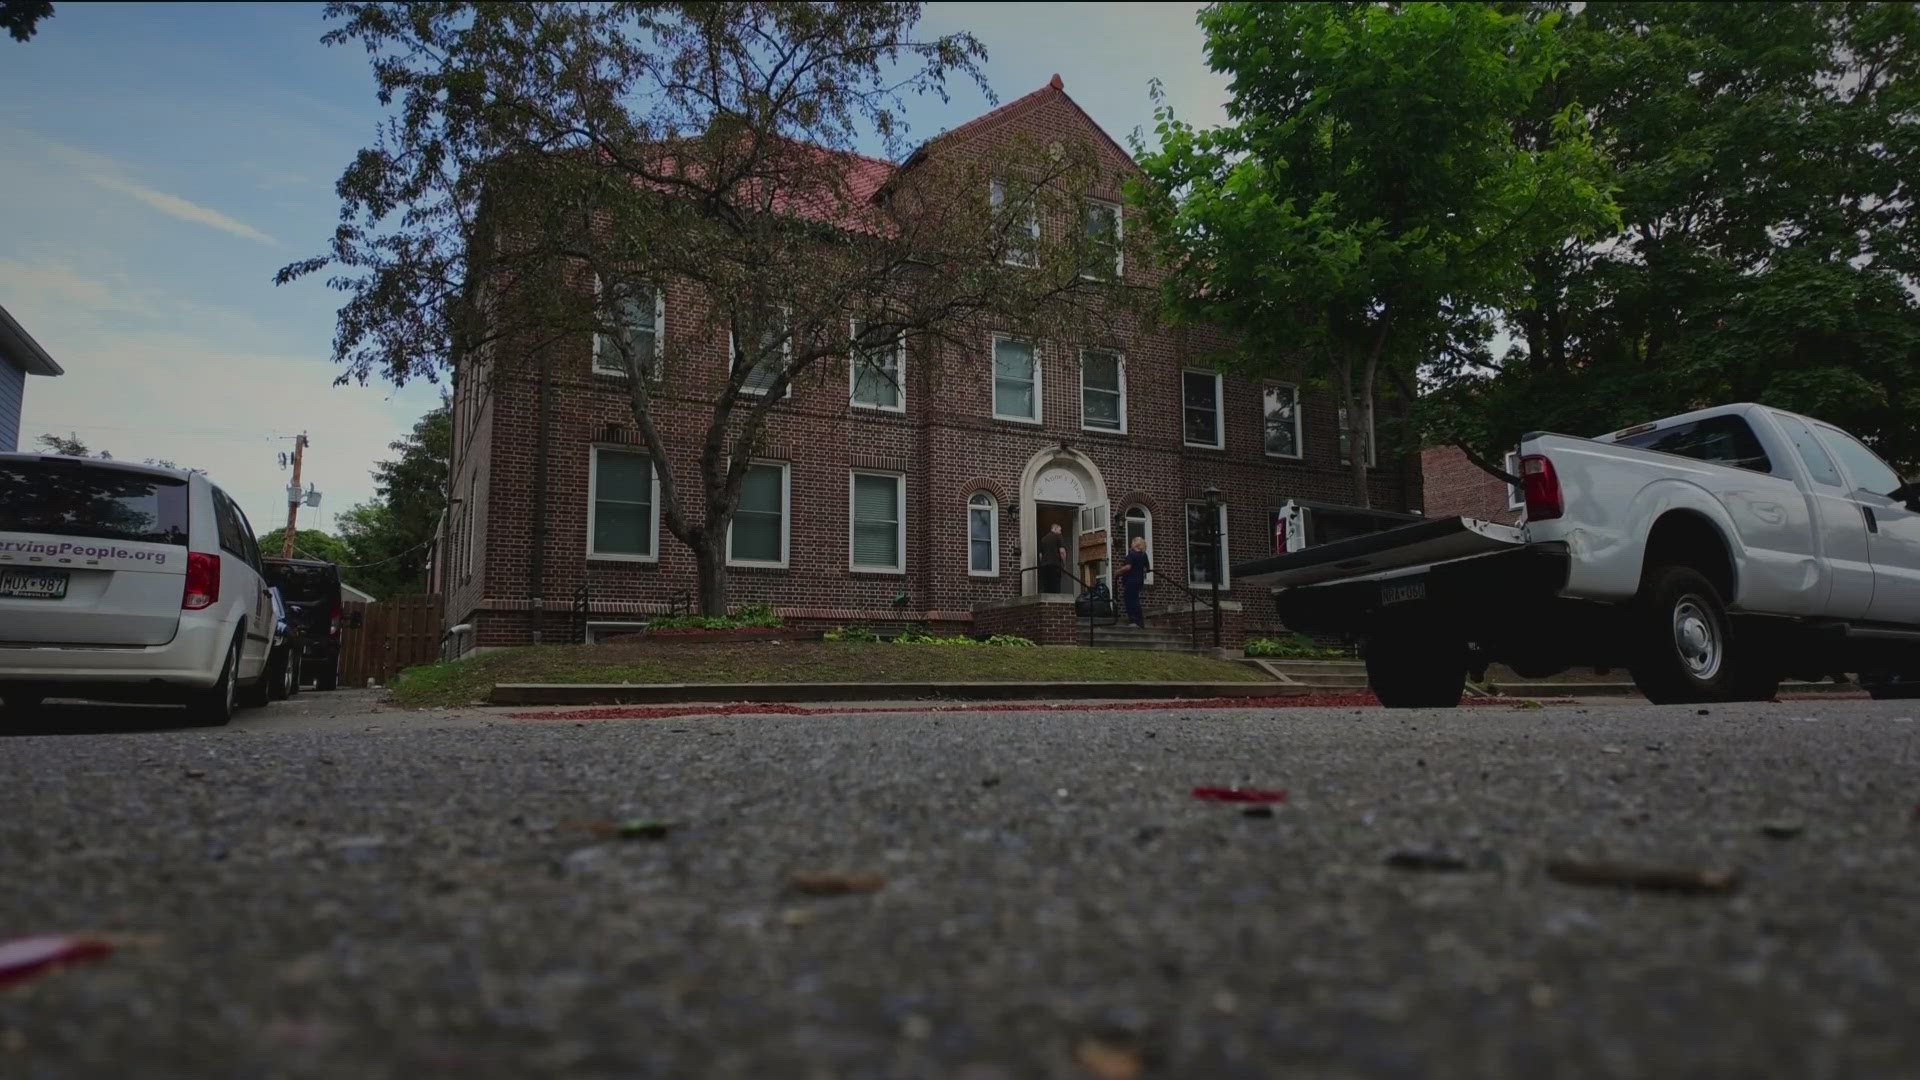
(465, 682)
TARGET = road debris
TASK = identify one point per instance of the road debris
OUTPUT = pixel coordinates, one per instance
(1239, 795)
(1107, 1059)
(24, 958)
(1429, 861)
(837, 884)
(1784, 829)
(632, 829)
(1257, 812)
(1692, 881)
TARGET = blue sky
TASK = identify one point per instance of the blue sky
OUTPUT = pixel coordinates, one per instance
(160, 161)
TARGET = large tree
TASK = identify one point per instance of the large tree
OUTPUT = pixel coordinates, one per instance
(1763, 156)
(550, 166)
(1368, 198)
(390, 538)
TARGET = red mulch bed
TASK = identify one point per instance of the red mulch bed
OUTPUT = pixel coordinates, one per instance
(661, 712)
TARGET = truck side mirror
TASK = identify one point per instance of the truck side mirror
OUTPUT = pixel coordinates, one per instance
(1908, 494)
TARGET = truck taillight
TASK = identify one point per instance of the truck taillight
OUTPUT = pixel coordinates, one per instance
(203, 581)
(1542, 486)
(333, 625)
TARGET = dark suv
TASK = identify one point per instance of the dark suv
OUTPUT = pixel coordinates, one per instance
(311, 589)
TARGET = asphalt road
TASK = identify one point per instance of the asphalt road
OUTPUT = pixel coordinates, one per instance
(324, 891)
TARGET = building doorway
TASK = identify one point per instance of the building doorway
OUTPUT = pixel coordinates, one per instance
(1045, 517)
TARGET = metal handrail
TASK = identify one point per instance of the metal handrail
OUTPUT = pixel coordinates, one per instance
(1208, 599)
(1082, 588)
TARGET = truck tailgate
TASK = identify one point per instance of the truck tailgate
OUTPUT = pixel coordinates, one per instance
(1440, 540)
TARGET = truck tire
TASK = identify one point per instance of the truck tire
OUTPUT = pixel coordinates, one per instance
(214, 706)
(1685, 651)
(327, 676)
(1411, 664)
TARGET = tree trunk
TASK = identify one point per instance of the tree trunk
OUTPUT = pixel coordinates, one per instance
(1356, 443)
(710, 559)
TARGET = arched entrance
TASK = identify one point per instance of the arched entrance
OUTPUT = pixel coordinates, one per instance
(1064, 487)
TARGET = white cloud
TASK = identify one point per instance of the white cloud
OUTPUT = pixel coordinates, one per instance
(109, 174)
(46, 286)
(209, 401)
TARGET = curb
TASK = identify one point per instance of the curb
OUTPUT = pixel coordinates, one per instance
(682, 693)
(1627, 689)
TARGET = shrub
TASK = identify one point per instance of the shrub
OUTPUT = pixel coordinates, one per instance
(1011, 641)
(851, 633)
(1291, 647)
(754, 616)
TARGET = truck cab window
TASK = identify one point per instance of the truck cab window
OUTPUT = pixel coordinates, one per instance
(1724, 440)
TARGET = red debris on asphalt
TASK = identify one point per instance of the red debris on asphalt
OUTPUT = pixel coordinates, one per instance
(661, 712)
(23, 958)
(1237, 794)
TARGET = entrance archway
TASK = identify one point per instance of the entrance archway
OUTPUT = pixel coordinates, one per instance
(1063, 485)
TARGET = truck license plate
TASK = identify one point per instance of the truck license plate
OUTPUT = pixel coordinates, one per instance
(34, 584)
(1399, 592)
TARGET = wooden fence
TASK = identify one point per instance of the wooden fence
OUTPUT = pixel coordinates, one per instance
(393, 634)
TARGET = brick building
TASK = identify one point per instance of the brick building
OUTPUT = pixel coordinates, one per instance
(871, 506)
(1456, 487)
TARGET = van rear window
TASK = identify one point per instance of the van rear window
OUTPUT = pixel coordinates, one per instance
(304, 584)
(99, 502)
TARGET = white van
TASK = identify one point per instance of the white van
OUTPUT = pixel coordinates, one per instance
(128, 583)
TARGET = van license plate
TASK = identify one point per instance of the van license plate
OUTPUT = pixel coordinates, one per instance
(1399, 592)
(34, 584)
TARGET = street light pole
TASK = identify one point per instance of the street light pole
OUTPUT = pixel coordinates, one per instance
(1212, 495)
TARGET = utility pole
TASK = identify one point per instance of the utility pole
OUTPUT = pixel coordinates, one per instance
(293, 495)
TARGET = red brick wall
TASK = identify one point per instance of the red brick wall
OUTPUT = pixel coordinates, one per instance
(1456, 487)
(946, 444)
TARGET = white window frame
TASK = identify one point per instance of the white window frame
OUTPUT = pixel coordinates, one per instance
(1226, 562)
(593, 488)
(997, 197)
(623, 627)
(1119, 236)
(900, 527)
(1516, 493)
(786, 521)
(1146, 517)
(1299, 426)
(993, 534)
(899, 373)
(993, 368)
(1120, 368)
(1219, 409)
(1373, 437)
(601, 346)
(786, 355)
(467, 533)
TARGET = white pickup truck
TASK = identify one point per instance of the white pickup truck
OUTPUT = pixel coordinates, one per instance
(1711, 554)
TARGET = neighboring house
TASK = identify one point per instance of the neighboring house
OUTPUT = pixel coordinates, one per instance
(20, 356)
(1456, 487)
(875, 508)
(355, 596)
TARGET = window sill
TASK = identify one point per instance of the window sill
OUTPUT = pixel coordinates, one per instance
(984, 575)
(884, 410)
(1029, 421)
(733, 565)
(1215, 447)
(1285, 457)
(602, 557)
(881, 571)
(1111, 433)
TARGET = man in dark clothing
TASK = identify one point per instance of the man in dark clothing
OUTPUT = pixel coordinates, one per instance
(1053, 558)
(1132, 579)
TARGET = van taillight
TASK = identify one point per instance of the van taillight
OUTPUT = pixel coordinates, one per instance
(333, 627)
(203, 581)
(1542, 486)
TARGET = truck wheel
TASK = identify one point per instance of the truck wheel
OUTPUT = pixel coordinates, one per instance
(214, 706)
(1685, 645)
(1411, 669)
(328, 675)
